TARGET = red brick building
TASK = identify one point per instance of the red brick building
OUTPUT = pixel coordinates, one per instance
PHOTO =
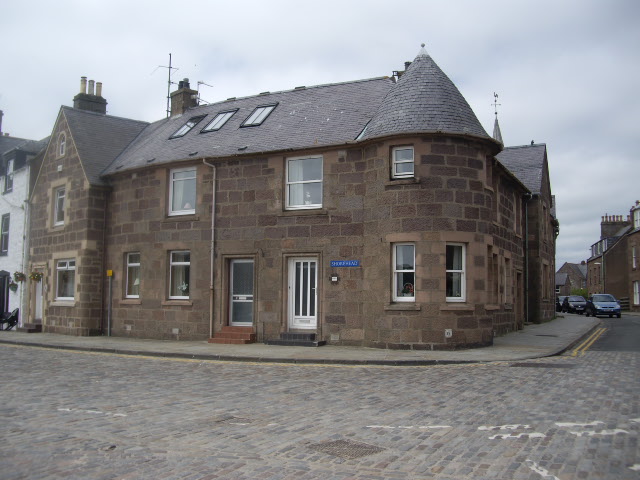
(371, 213)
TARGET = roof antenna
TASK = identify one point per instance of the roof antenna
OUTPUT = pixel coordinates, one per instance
(200, 82)
(497, 134)
(169, 82)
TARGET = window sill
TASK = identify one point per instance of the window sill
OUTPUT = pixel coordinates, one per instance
(130, 301)
(177, 303)
(304, 211)
(453, 307)
(63, 303)
(401, 181)
(187, 217)
(402, 306)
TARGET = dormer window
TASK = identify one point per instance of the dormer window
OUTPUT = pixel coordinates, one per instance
(186, 128)
(218, 121)
(258, 116)
(62, 144)
(8, 179)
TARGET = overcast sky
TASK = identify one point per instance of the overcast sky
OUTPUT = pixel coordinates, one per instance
(567, 72)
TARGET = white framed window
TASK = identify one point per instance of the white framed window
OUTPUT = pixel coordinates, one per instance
(179, 272)
(4, 234)
(65, 279)
(186, 128)
(634, 259)
(455, 272)
(404, 272)
(58, 208)
(218, 121)
(62, 144)
(402, 162)
(8, 178)
(182, 191)
(133, 275)
(304, 183)
(636, 293)
(258, 116)
(636, 218)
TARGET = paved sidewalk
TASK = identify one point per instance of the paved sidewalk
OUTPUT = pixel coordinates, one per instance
(534, 341)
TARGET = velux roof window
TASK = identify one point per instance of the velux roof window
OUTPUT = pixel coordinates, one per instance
(184, 129)
(218, 121)
(259, 115)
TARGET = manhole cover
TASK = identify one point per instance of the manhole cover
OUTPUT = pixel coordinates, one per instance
(346, 449)
(542, 365)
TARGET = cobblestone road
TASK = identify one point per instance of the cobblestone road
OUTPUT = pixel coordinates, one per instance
(77, 415)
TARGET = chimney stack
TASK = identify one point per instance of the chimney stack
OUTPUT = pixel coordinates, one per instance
(611, 224)
(183, 99)
(87, 100)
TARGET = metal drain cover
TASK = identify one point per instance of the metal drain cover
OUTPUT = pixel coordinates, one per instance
(542, 365)
(346, 449)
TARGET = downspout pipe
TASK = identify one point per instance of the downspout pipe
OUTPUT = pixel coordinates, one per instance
(213, 244)
(527, 198)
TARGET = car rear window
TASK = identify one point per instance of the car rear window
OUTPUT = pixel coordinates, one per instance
(603, 298)
(576, 299)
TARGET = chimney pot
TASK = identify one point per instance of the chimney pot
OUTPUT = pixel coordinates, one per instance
(406, 65)
(99, 89)
(91, 82)
(83, 84)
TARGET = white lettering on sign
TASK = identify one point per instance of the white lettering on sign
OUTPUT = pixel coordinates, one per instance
(345, 263)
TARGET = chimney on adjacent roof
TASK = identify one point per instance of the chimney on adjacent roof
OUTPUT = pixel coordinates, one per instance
(88, 100)
(611, 224)
(184, 98)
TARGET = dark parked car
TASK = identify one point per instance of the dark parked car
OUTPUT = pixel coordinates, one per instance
(603, 304)
(574, 304)
(559, 301)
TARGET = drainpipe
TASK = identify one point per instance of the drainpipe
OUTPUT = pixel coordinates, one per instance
(213, 237)
(527, 198)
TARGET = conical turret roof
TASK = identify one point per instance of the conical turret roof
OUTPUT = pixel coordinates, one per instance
(424, 100)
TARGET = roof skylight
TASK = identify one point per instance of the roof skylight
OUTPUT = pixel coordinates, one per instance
(259, 115)
(184, 129)
(218, 121)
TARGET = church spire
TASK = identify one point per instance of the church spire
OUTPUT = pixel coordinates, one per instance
(497, 135)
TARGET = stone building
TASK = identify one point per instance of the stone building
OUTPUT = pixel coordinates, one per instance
(371, 213)
(576, 273)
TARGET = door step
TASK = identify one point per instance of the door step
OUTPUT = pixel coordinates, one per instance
(30, 328)
(296, 340)
(234, 336)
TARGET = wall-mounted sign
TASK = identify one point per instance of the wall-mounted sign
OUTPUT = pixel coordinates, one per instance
(345, 263)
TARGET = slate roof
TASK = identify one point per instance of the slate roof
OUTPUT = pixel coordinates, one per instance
(561, 278)
(8, 143)
(99, 138)
(526, 163)
(424, 100)
(305, 117)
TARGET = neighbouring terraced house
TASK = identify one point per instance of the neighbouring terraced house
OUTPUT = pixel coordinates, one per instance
(375, 212)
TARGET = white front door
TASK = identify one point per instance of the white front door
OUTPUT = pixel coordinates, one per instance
(303, 298)
(241, 301)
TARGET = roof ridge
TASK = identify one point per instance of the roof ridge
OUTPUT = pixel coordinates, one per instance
(88, 112)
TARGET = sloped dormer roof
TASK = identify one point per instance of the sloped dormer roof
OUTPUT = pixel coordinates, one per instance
(424, 100)
(99, 138)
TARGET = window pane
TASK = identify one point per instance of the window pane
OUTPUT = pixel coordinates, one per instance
(404, 257)
(183, 191)
(454, 284)
(305, 194)
(179, 281)
(404, 154)
(454, 257)
(133, 281)
(305, 169)
(405, 282)
(243, 278)
(404, 168)
(178, 257)
(66, 282)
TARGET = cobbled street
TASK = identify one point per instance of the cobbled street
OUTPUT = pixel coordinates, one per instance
(79, 415)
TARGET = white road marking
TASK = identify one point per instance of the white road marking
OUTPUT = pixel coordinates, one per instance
(615, 431)
(635, 468)
(504, 427)
(590, 424)
(408, 427)
(637, 420)
(540, 471)
(503, 436)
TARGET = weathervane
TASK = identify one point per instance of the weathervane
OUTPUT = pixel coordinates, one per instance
(495, 104)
